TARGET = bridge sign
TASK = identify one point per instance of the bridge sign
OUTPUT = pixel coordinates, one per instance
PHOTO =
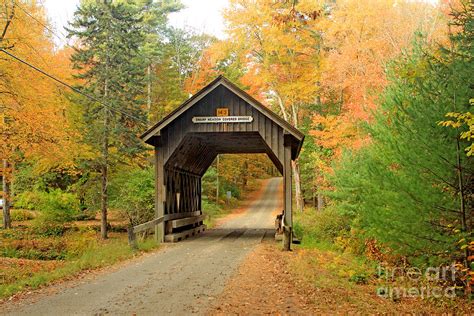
(222, 119)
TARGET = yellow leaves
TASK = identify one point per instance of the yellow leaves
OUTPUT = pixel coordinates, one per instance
(450, 124)
(332, 133)
(282, 56)
(460, 120)
(309, 6)
(39, 124)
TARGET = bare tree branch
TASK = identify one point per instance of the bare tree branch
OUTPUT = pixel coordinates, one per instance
(9, 20)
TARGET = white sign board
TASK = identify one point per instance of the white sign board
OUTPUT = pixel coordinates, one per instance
(222, 119)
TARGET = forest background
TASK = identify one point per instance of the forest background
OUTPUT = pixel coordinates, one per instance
(382, 89)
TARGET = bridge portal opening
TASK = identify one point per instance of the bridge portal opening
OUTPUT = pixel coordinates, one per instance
(219, 119)
(247, 182)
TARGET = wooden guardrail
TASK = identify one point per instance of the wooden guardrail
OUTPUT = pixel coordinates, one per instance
(133, 230)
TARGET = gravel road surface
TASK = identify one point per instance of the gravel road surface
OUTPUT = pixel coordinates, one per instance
(183, 278)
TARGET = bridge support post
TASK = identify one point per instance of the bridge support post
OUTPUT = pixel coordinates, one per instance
(160, 194)
(288, 219)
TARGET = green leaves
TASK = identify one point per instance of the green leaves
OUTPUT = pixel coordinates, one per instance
(405, 187)
(133, 191)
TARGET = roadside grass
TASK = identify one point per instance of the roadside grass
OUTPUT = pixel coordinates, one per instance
(213, 212)
(351, 281)
(29, 260)
(20, 274)
(344, 284)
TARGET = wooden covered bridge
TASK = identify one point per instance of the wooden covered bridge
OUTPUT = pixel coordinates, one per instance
(219, 119)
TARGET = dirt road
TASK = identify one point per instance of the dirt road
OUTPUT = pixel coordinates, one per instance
(183, 278)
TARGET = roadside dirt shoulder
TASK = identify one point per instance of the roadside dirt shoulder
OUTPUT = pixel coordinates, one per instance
(263, 285)
(268, 282)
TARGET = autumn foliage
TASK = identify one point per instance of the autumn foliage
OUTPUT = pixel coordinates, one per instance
(382, 89)
(37, 119)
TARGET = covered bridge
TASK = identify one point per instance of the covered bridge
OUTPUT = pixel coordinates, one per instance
(219, 119)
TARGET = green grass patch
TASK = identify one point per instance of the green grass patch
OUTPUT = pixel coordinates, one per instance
(319, 229)
(213, 212)
(320, 233)
(84, 251)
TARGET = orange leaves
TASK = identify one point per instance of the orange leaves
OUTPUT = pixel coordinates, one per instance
(360, 38)
(282, 58)
(37, 113)
(300, 12)
(363, 36)
(334, 133)
(205, 73)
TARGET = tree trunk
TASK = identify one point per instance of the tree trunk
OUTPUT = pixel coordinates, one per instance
(104, 174)
(462, 200)
(105, 168)
(320, 202)
(294, 164)
(7, 223)
(10, 15)
(297, 178)
(148, 100)
(282, 108)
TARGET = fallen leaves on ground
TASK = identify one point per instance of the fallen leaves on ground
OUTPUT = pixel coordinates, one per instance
(307, 282)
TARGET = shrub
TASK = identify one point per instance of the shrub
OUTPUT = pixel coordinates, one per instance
(46, 228)
(28, 200)
(212, 212)
(21, 215)
(80, 241)
(33, 254)
(134, 193)
(209, 183)
(85, 215)
(359, 278)
(326, 226)
(43, 249)
(58, 206)
(55, 208)
(233, 188)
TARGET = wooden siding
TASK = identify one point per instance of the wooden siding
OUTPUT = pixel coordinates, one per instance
(183, 138)
(184, 150)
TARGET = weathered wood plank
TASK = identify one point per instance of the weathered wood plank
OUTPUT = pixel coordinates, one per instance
(148, 225)
(169, 217)
(189, 149)
(288, 215)
(176, 223)
(175, 237)
(160, 191)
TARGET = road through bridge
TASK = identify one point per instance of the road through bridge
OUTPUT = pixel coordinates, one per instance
(181, 279)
